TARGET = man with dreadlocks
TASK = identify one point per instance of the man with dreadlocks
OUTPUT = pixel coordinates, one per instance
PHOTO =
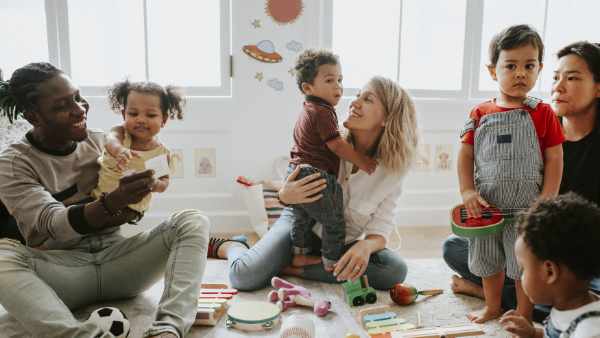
(74, 254)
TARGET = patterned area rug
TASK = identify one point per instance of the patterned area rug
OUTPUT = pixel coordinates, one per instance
(445, 309)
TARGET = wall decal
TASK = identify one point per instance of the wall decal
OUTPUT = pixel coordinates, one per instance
(206, 162)
(292, 72)
(259, 76)
(256, 23)
(423, 161)
(294, 46)
(263, 51)
(178, 155)
(443, 157)
(275, 84)
(284, 11)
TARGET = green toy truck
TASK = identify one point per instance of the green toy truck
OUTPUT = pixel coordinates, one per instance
(359, 292)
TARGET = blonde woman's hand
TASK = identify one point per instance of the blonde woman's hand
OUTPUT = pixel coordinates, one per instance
(304, 190)
(353, 263)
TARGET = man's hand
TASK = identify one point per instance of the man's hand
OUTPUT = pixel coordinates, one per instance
(132, 189)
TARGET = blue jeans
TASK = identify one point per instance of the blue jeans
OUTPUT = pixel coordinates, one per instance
(40, 288)
(456, 253)
(328, 211)
(252, 269)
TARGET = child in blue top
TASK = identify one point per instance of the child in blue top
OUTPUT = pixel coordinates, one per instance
(557, 248)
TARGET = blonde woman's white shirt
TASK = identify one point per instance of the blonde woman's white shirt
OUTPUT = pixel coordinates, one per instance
(369, 201)
(588, 328)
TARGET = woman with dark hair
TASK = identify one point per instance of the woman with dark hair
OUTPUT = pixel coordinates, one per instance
(576, 100)
(74, 254)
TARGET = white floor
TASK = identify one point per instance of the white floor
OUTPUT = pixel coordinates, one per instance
(445, 309)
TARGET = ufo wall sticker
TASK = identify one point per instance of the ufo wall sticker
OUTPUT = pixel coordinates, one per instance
(263, 51)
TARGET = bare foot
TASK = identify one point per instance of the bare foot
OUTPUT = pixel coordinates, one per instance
(484, 315)
(304, 260)
(466, 287)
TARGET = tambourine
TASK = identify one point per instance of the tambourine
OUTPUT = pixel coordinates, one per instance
(252, 316)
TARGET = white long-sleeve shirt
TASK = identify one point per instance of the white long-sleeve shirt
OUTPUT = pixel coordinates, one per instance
(369, 201)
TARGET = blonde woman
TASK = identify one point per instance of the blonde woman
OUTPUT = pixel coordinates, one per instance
(381, 124)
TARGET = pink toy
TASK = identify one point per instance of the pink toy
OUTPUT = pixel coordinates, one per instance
(288, 295)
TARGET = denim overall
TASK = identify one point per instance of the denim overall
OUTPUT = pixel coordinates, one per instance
(551, 332)
(509, 175)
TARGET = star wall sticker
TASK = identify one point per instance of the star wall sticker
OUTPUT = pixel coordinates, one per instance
(259, 76)
(256, 23)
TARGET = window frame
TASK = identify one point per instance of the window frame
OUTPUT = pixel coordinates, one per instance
(59, 50)
(469, 89)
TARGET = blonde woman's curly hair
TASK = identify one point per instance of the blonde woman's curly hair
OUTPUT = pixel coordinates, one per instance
(397, 146)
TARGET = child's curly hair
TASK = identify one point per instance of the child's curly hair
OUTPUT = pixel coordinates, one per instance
(171, 100)
(308, 63)
(565, 230)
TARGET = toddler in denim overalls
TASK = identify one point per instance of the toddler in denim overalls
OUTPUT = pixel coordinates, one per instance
(511, 154)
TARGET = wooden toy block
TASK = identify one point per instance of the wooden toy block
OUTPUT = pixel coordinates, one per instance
(442, 332)
(216, 295)
(393, 328)
(212, 303)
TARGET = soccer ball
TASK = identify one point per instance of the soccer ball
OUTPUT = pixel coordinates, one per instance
(111, 319)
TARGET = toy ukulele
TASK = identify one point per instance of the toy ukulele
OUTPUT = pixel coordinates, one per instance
(491, 221)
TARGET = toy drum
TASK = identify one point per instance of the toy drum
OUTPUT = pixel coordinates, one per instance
(252, 316)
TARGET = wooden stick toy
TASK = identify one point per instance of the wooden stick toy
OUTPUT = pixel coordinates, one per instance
(405, 294)
(442, 332)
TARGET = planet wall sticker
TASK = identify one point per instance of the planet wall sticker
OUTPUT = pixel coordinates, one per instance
(263, 51)
(284, 11)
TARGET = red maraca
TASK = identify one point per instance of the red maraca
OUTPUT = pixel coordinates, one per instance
(404, 294)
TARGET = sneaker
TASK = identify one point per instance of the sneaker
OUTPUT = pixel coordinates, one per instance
(214, 243)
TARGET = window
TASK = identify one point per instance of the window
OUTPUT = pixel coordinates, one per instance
(439, 48)
(98, 42)
(27, 17)
(498, 15)
(558, 22)
(419, 42)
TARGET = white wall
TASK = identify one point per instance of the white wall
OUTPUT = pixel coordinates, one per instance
(252, 128)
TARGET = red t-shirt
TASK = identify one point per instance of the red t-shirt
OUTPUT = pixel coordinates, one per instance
(547, 125)
(316, 125)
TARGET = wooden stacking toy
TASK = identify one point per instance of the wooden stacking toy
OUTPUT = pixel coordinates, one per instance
(404, 294)
(380, 319)
(212, 303)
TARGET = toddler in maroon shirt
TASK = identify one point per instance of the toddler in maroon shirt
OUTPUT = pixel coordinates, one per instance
(318, 147)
